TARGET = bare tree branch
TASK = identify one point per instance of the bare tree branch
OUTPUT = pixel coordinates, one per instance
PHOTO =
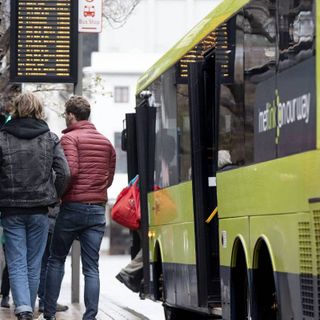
(117, 11)
(7, 89)
(4, 43)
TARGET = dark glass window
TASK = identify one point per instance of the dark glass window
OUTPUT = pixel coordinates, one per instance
(260, 54)
(297, 31)
(296, 77)
(231, 108)
(121, 156)
(172, 149)
(270, 57)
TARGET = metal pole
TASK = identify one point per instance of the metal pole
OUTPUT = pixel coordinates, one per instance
(75, 253)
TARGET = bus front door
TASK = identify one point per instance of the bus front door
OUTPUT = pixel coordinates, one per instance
(203, 141)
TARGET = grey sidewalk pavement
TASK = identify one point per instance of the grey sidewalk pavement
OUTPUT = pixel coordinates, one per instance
(116, 301)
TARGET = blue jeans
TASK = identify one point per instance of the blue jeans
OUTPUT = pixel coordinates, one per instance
(44, 263)
(86, 223)
(26, 237)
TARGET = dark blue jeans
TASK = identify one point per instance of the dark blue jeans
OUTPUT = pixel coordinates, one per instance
(26, 237)
(43, 272)
(44, 263)
(86, 223)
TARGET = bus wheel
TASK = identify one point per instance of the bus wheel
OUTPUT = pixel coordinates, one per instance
(265, 298)
(240, 300)
(171, 313)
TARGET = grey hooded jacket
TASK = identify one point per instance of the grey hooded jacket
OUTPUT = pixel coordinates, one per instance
(33, 169)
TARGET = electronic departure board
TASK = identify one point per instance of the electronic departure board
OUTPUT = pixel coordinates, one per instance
(43, 43)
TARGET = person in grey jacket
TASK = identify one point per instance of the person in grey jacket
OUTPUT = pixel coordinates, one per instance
(33, 175)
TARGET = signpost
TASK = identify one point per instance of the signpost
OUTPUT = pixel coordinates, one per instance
(43, 41)
(90, 15)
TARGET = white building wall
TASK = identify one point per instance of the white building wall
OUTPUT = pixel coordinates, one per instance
(108, 118)
(155, 25)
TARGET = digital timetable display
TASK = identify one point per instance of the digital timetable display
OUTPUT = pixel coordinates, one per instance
(43, 43)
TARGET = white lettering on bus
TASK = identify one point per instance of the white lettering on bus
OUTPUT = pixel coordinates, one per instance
(290, 111)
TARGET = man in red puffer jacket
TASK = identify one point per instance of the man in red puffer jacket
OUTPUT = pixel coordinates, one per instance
(91, 158)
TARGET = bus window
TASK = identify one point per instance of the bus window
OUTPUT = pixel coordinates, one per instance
(297, 31)
(260, 84)
(172, 149)
(183, 124)
(231, 107)
(296, 77)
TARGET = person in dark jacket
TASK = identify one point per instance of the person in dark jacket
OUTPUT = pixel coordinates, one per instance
(2, 119)
(5, 284)
(5, 115)
(30, 157)
(92, 160)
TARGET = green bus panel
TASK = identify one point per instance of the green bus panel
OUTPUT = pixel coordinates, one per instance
(231, 230)
(318, 71)
(280, 186)
(291, 241)
(171, 205)
(176, 243)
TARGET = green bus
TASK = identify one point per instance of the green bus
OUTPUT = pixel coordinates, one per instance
(226, 141)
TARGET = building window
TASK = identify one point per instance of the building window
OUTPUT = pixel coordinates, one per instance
(121, 94)
(121, 160)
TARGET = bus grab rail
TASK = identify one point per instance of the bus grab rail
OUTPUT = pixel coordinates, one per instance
(213, 213)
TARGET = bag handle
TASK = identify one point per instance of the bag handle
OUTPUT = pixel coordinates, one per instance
(134, 180)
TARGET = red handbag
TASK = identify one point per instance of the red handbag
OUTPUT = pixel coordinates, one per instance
(126, 210)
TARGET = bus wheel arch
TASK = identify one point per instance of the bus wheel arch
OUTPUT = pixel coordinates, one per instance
(239, 281)
(264, 298)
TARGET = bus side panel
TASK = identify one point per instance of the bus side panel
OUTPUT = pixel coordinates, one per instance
(171, 205)
(177, 254)
(290, 242)
(318, 71)
(230, 231)
(184, 279)
(172, 227)
(282, 185)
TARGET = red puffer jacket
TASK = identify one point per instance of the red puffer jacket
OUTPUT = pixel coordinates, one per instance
(92, 159)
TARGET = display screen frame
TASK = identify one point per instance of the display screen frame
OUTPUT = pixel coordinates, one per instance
(19, 76)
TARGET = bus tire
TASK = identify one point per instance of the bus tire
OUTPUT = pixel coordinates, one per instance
(240, 298)
(171, 313)
(264, 288)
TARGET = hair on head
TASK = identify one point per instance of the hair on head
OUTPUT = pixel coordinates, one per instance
(79, 106)
(27, 105)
